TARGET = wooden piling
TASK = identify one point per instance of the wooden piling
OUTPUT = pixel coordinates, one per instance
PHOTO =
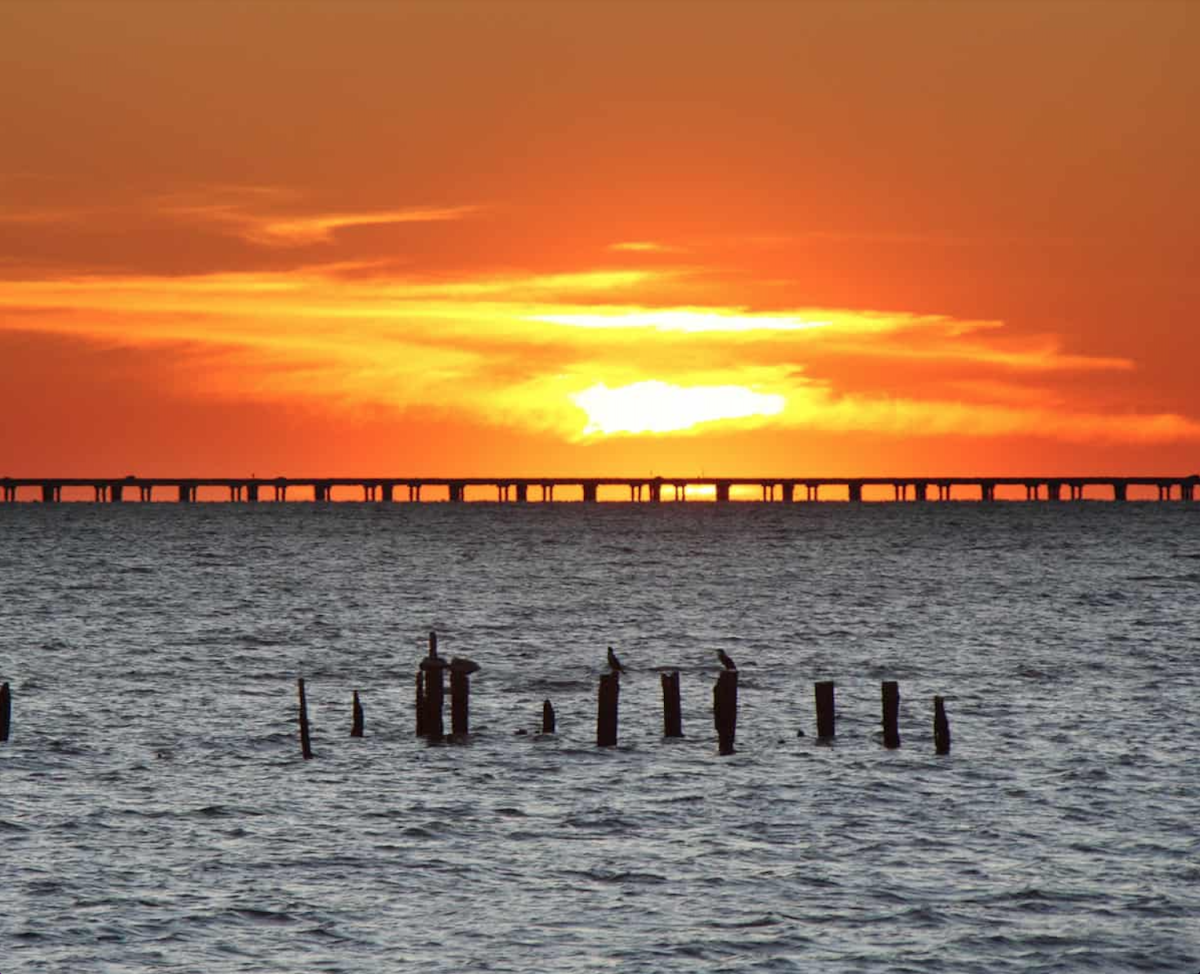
(606, 715)
(305, 740)
(356, 724)
(435, 694)
(941, 727)
(5, 712)
(825, 718)
(460, 703)
(420, 703)
(672, 714)
(548, 721)
(725, 709)
(891, 713)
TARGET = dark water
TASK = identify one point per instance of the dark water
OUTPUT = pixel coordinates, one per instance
(155, 813)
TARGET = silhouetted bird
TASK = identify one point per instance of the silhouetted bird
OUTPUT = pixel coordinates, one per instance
(725, 660)
(614, 664)
(460, 664)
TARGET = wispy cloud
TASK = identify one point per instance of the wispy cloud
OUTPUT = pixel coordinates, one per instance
(305, 229)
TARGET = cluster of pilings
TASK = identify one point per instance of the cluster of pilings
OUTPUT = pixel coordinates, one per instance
(431, 693)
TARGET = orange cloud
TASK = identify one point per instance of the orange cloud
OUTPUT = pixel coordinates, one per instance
(574, 354)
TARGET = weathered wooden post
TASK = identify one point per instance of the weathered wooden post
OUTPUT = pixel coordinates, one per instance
(460, 701)
(356, 723)
(725, 709)
(5, 712)
(672, 714)
(941, 727)
(420, 703)
(606, 716)
(435, 691)
(891, 713)
(548, 722)
(305, 740)
(825, 719)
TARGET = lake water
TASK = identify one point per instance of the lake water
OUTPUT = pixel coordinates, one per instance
(156, 815)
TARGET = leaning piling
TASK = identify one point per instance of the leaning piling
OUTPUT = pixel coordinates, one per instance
(305, 739)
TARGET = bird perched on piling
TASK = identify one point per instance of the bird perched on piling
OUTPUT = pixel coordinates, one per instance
(725, 660)
(614, 664)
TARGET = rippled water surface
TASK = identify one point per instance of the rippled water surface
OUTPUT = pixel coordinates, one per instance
(155, 813)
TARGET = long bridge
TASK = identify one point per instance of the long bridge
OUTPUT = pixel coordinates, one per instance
(652, 489)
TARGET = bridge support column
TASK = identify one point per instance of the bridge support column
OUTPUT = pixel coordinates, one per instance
(987, 491)
(187, 493)
(457, 491)
(655, 491)
(50, 493)
(1120, 492)
(252, 493)
(1187, 491)
(321, 493)
(116, 493)
(812, 492)
(9, 493)
(789, 493)
(1054, 490)
(722, 492)
(589, 493)
(856, 492)
(919, 490)
(388, 491)
(522, 493)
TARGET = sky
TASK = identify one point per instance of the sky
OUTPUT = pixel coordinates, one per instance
(599, 238)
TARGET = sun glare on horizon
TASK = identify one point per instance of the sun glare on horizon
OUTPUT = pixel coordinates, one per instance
(653, 406)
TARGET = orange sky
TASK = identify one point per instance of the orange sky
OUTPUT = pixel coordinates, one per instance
(587, 238)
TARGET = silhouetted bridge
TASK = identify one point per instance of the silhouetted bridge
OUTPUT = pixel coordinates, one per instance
(652, 489)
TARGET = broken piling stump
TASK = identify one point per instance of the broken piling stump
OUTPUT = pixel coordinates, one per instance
(305, 740)
(891, 713)
(672, 714)
(606, 714)
(941, 727)
(5, 712)
(356, 723)
(823, 692)
(548, 721)
(725, 710)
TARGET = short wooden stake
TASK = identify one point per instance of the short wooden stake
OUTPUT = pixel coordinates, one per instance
(725, 709)
(305, 740)
(825, 719)
(420, 703)
(891, 713)
(941, 727)
(606, 715)
(548, 722)
(672, 715)
(5, 712)
(356, 724)
(460, 703)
